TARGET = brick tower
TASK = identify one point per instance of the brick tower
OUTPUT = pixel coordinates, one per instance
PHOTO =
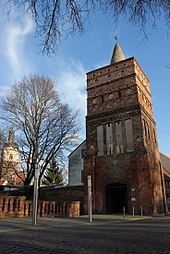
(9, 160)
(122, 149)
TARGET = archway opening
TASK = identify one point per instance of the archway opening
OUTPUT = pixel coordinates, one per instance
(116, 198)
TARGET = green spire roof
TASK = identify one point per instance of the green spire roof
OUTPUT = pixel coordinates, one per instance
(117, 54)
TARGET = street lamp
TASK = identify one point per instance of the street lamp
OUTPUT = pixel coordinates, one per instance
(35, 195)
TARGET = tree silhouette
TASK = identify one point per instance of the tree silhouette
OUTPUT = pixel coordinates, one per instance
(53, 175)
(45, 126)
(55, 19)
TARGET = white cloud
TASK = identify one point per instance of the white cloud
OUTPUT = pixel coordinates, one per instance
(13, 48)
(71, 85)
(69, 74)
(16, 34)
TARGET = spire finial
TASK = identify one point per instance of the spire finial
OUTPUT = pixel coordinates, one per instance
(116, 37)
(11, 136)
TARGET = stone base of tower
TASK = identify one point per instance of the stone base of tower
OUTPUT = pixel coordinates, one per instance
(131, 181)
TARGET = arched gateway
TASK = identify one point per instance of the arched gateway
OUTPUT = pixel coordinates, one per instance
(116, 197)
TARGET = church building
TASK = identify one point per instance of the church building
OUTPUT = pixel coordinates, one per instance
(122, 154)
(9, 160)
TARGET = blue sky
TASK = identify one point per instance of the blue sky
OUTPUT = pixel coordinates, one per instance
(20, 56)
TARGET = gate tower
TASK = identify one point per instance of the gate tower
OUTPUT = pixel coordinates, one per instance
(122, 154)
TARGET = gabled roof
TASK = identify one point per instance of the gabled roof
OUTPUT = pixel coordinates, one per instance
(81, 144)
(165, 160)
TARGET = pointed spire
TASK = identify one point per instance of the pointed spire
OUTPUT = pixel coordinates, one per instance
(11, 136)
(117, 54)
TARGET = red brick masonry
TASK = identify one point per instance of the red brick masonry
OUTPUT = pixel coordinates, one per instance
(17, 206)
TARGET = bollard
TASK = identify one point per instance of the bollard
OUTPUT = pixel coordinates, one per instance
(141, 211)
(89, 198)
(124, 212)
(133, 211)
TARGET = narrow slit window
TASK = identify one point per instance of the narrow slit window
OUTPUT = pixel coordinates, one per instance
(119, 93)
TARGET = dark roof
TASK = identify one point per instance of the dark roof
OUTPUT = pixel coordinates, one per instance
(13, 145)
(165, 161)
(77, 147)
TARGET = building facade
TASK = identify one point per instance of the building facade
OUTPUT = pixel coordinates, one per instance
(122, 154)
(165, 161)
(76, 165)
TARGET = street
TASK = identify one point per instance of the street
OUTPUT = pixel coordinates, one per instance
(106, 235)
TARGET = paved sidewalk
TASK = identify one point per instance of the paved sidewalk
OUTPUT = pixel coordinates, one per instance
(106, 235)
(117, 217)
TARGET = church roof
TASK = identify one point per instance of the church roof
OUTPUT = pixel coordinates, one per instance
(3, 182)
(82, 144)
(117, 55)
(165, 160)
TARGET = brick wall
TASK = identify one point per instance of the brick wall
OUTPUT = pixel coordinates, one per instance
(68, 193)
(11, 206)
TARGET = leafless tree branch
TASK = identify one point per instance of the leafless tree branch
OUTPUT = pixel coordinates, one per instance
(55, 19)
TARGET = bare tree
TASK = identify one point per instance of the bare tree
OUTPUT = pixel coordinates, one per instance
(57, 18)
(46, 127)
(2, 141)
(10, 173)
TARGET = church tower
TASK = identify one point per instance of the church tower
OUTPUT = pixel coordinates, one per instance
(121, 143)
(9, 160)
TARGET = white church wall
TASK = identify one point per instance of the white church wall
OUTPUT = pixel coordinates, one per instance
(76, 165)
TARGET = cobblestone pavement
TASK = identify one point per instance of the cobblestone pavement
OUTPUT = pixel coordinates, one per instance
(106, 235)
